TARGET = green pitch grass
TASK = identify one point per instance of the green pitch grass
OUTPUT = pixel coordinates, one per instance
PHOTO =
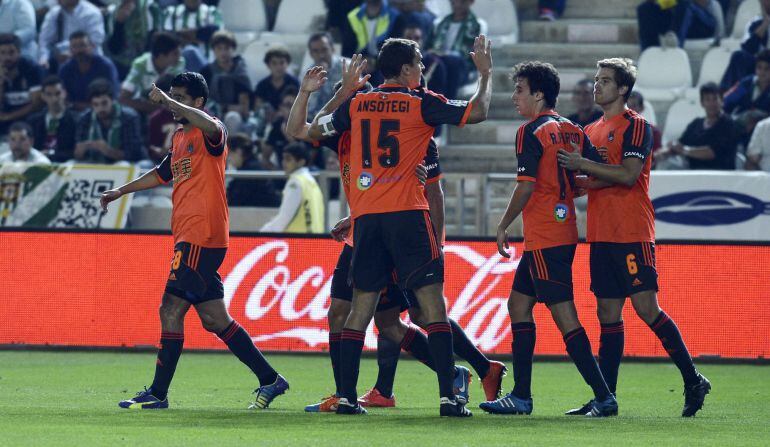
(51, 399)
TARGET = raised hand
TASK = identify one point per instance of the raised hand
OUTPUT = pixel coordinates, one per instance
(314, 79)
(482, 54)
(157, 95)
(351, 74)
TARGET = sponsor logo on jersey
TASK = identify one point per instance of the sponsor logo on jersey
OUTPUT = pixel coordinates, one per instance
(633, 154)
(365, 181)
(561, 212)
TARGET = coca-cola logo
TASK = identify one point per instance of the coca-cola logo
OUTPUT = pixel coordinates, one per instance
(280, 290)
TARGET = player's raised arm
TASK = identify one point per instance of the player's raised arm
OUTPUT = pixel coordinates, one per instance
(296, 124)
(482, 58)
(352, 81)
(196, 116)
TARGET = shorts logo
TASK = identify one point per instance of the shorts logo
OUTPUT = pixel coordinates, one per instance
(561, 212)
(365, 181)
(636, 282)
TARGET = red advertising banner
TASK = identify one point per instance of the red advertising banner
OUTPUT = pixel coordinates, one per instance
(103, 290)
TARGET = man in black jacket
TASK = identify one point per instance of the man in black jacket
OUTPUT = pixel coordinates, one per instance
(53, 128)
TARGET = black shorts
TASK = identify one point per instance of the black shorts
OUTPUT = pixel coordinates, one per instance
(546, 274)
(401, 243)
(393, 296)
(619, 270)
(194, 275)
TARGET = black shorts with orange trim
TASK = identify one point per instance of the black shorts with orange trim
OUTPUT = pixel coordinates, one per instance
(619, 270)
(400, 245)
(546, 274)
(341, 290)
(194, 275)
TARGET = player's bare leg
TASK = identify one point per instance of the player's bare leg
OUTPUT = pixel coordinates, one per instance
(696, 386)
(215, 318)
(172, 312)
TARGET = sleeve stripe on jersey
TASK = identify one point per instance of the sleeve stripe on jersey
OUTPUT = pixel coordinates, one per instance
(432, 180)
(638, 131)
(164, 182)
(466, 115)
(525, 178)
(520, 140)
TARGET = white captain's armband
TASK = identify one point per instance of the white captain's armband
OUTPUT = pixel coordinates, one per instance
(327, 128)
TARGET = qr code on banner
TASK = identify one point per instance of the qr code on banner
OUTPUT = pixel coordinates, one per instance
(80, 207)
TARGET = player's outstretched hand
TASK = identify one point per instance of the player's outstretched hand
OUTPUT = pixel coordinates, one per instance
(109, 196)
(421, 171)
(314, 79)
(341, 229)
(482, 54)
(570, 160)
(353, 77)
(502, 242)
(157, 95)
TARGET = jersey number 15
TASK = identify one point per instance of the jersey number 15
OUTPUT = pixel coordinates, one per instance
(386, 142)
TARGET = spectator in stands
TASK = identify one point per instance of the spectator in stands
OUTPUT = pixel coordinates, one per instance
(754, 41)
(686, 19)
(435, 72)
(270, 89)
(53, 128)
(20, 143)
(128, 25)
(302, 206)
(551, 10)
(337, 22)
(758, 152)
(246, 192)
(83, 68)
(321, 51)
(413, 13)
(63, 20)
(277, 138)
(195, 22)
(164, 57)
(227, 78)
(636, 103)
(19, 83)
(109, 131)
(586, 111)
(161, 125)
(752, 92)
(371, 23)
(18, 17)
(710, 142)
(453, 40)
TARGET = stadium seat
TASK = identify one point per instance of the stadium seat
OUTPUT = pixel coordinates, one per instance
(649, 113)
(658, 84)
(244, 18)
(441, 8)
(747, 10)
(253, 54)
(501, 18)
(298, 16)
(711, 70)
(679, 116)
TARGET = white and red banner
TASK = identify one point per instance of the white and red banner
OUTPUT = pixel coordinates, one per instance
(91, 289)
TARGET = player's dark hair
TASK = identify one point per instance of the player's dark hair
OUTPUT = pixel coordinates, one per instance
(223, 37)
(50, 80)
(163, 42)
(18, 126)
(624, 72)
(710, 88)
(764, 56)
(299, 151)
(320, 35)
(80, 34)
(193, 83)
(10, 39)
(541, 77)
(100, 87)
(277, 52)
(394, 54)
(367, 87)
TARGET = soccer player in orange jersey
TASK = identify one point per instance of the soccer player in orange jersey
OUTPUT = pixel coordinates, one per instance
(199, 223)
(544, 195)
(621, 230)
(390, 129)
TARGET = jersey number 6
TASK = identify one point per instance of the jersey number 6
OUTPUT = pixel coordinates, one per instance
(386, 141)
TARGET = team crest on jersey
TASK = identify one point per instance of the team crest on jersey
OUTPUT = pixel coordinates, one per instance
(561, 212)
(611, 136)
(365, 181)
(190, 148)
(603, 153)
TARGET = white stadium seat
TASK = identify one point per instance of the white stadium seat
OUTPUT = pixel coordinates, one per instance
(502, 20)
(298, 16)
(244, 18)
(747, 10)
(441, 8)
(712, 69)
(649, 113)
(253, 54)
(679, 116)
(664, 73)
